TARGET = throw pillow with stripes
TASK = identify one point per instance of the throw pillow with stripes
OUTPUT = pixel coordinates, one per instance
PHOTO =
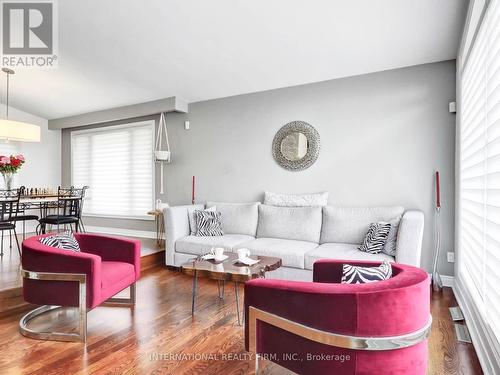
(363, 275)
(208, 223)
(376, 238)
(64, 241)
(392, 238)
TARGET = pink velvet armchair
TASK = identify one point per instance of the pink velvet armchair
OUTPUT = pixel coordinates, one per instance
(57, 278)
(325, 327)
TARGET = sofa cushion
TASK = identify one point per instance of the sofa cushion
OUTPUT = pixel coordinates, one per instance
(202, 245)
(115, 273)
(238, 218)
(290, 223)
(350, 224)
(291, 252)
(341, 251)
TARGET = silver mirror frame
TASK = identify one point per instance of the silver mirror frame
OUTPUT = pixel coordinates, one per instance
(313, 140)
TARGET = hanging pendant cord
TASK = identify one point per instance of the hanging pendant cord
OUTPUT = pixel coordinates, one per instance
(8, 95)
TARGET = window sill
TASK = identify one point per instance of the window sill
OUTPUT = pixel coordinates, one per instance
(126, 217)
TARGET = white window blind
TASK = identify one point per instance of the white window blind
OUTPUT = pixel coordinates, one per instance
(479, 193)
(116, 162)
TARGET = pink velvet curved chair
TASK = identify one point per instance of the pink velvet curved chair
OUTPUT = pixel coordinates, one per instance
(325, 327)
(57, 278)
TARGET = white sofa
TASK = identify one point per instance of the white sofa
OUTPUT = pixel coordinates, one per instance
(298, 235)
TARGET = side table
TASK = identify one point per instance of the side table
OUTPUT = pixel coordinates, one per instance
(160, 227)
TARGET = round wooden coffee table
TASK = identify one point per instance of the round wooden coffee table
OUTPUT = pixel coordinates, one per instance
(228, 270)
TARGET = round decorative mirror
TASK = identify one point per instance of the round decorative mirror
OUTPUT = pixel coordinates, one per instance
(296, 146)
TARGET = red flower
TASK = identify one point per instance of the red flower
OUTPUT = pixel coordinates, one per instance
(15, 162)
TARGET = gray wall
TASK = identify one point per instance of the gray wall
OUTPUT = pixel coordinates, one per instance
(382, 137)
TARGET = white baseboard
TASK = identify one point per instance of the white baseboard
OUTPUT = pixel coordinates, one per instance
(121, 231)
(448, 280)
(31, 228)
(484, 345)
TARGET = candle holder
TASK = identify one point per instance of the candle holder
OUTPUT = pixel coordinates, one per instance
(437, 283)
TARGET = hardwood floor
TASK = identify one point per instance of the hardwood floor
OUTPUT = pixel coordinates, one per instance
(161, 337)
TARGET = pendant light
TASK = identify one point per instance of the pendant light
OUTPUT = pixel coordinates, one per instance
(11, 130)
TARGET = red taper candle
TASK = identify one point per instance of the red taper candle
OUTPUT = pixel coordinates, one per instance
(192, 190)
(438, 192)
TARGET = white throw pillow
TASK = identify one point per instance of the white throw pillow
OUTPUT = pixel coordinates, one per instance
(296, 200)
(192, 218)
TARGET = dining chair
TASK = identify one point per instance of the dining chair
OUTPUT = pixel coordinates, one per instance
(69, 210)
(9, 205)
(21, 213)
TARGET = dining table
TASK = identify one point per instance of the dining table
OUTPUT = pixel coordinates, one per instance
(43, 203)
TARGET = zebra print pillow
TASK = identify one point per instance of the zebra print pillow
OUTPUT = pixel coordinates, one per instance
(376, 238)
(364, 275)
(208, 223)
(64, 241)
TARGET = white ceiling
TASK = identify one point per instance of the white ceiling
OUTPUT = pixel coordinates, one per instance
(114, 53)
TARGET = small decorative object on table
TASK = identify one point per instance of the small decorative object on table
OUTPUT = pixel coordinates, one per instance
(9, 165)
(216, 254)
(244, 258)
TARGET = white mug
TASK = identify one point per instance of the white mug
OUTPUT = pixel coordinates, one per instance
(218, 267)
(219, 253)
(243, 253)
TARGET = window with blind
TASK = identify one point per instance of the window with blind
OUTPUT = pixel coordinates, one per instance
(479, 156)
(116, 162)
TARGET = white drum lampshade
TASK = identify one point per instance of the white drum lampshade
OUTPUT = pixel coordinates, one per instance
(19, 131)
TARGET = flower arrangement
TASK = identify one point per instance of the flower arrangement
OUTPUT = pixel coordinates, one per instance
(10, 165)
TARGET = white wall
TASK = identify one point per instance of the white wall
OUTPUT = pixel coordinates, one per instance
(43, 160)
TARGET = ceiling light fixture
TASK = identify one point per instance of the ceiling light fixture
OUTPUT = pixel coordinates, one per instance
(16, 130)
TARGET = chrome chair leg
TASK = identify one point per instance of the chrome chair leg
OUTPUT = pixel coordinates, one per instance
(82, 308)
(123, 301)
(51, 335)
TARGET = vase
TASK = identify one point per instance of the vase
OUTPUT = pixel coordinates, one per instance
(7, 179)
